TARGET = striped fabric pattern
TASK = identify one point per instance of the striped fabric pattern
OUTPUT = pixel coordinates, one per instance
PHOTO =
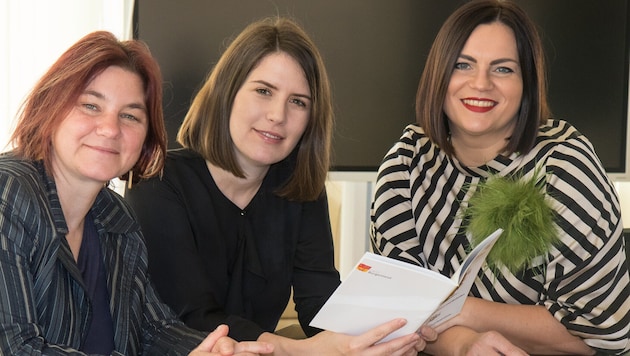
(44, 308)
(416, 217)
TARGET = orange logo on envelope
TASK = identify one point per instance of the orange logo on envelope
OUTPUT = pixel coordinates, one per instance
(363, 267)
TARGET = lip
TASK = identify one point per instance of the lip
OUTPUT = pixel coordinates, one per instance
(269, 136)
(102, 149)
(480, 105)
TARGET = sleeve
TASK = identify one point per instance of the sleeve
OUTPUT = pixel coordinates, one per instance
(314, 275)
(163, 333)
(587, 280)
(175, 265)
(392, 227)
(18, 319)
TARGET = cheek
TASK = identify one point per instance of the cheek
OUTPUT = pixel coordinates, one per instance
(300, 127)
(515, 89)
(451, 95)
(449, 105)
(516, 97)
(136, 140)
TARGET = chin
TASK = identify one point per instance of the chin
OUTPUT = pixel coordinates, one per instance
(101, 176)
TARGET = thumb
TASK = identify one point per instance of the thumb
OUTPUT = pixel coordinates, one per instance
(208, 343)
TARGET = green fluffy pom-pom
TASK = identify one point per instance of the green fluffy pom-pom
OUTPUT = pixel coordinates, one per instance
(518, 206)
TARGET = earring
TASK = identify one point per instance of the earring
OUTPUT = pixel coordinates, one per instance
(130, 179)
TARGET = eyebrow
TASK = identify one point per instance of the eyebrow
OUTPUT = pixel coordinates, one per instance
(263, 82)
(98, 95)
(494, 62)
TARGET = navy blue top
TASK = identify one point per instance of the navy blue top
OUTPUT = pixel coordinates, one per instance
(100, 336)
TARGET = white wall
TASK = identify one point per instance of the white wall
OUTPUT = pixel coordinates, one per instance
(33, 33)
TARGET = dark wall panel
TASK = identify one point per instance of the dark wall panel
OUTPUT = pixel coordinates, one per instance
(375, 52)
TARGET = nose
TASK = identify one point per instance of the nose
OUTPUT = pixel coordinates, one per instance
(277, 112)
(108, 125)
(481, 80)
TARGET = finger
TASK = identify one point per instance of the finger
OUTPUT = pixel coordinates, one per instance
(253, 347)
(511, 351)
(378, 333)
(398, 346)
(428, 333)
(420, 345)
(503, 346)
(208, 343)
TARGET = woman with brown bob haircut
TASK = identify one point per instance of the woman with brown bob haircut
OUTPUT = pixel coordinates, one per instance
(206, 126)
(240, 217)
(73, 262)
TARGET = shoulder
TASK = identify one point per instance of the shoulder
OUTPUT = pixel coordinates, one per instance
(183, 161)
(181, 155)
(410, 147)
(17, 168)
(561, 135)
(413, 139)
(559, 140)
(20, 178)
(114, 213)
(185, 175)
(559, 131)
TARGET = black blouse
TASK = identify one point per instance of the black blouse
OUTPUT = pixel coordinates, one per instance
(215, 263)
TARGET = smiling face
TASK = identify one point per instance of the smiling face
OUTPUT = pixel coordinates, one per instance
(102, 136)
(486, 87)
(270, 112)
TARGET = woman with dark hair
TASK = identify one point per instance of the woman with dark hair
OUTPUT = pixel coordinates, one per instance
(73, 265)
(485, 154)
(240, 218)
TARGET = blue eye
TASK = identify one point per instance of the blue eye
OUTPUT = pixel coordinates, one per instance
(462, 65)
(129, 117)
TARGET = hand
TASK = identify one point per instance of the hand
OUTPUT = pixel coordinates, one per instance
(217, 343)
(330, 343)
(490, 343)
(471, 343)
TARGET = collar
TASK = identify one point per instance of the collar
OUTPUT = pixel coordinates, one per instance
(111, 214)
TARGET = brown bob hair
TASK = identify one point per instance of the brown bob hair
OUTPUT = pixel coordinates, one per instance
(444, 53)
(57, 91)
(205, 128)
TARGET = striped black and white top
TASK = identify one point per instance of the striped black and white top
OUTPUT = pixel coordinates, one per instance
(417, 217)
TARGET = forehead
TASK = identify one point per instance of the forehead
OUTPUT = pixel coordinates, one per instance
(116, 76)
(280, 68)
(494, 38)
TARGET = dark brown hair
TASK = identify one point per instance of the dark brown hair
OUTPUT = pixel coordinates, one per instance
(57, 91)
(206, 126)
(447, 47)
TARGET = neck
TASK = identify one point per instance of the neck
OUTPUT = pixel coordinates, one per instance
(475, 156)
(239, 191)
(76, 200)
(475, 151)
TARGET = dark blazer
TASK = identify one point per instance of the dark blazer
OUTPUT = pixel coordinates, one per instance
(44, 305)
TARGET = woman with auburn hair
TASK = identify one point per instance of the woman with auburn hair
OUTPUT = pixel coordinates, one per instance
(73, 263)
(240, 217)
(485, 154)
